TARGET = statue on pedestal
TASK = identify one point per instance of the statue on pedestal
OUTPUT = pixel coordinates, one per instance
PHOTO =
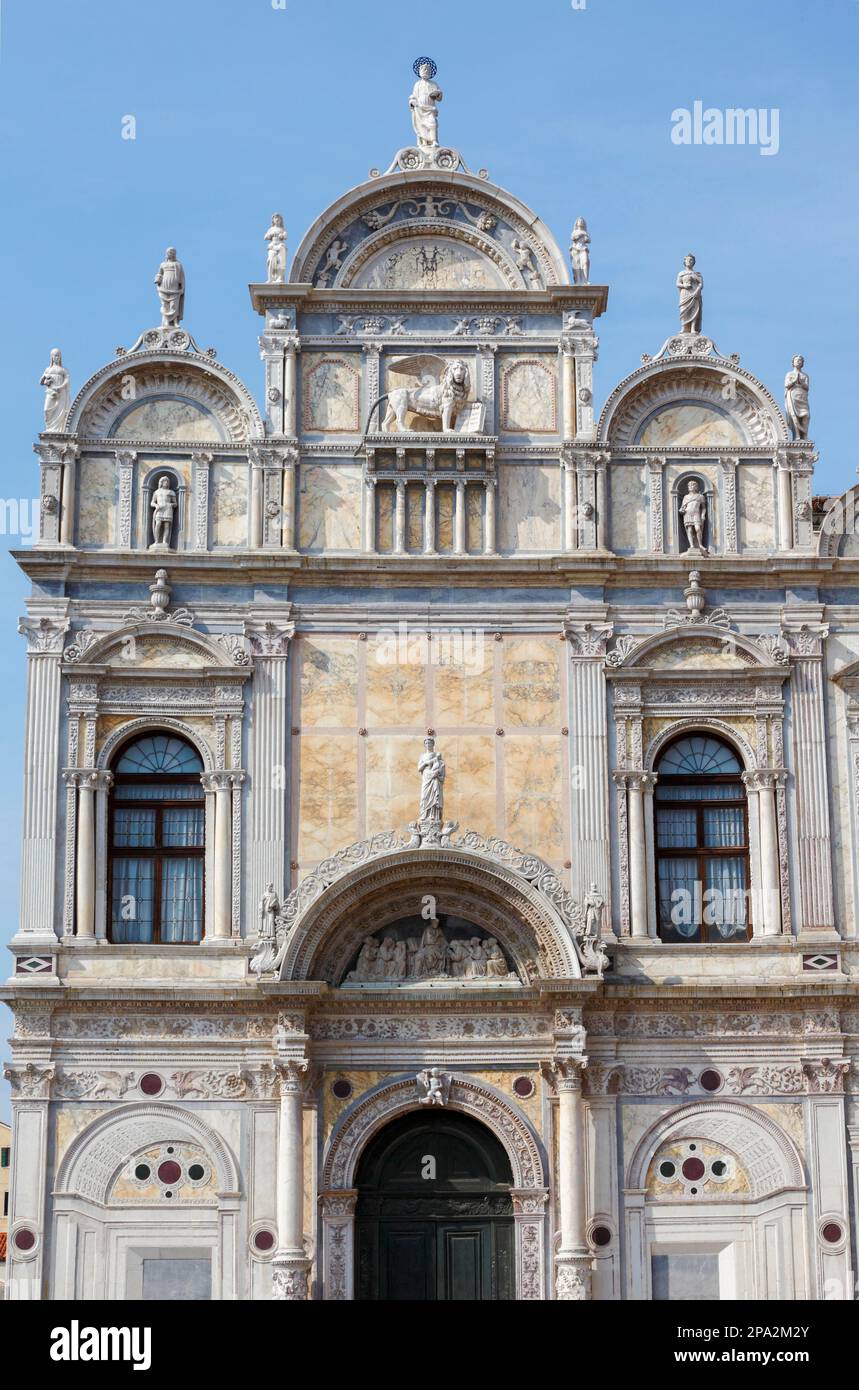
(796, 399)
(594, 905)
(690, 283)
(55, 380)
(163, 506)
(693, 514)
(580, 256)
(423, 103)
(276, 259)
(170, 283)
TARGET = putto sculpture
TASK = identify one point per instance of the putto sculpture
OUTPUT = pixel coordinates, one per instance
(796, 399)
(434, 1085)
(170, 283)
(423, 103)
(275, 271)
(690, 283)
(580, 255)
(55, 380)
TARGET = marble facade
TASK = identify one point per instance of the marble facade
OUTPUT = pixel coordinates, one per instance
(517, 595)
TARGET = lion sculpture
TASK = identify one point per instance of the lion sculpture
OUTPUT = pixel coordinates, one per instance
(438, 398)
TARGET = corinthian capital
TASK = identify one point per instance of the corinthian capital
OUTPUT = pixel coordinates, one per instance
(564, 1074)
(45, 636)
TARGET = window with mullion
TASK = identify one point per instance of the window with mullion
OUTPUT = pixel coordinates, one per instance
(156, 856)
(702, 859)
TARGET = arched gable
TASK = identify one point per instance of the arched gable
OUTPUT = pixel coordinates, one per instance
(166, 397)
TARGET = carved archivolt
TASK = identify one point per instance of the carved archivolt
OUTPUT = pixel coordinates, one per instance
(335, 914)
(105, 399)
(700, 725)
(156, 722)
(642, 395)
(97, 1155)
(468, 1095)
(768, 1155)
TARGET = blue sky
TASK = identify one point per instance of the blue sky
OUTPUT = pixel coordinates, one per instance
(244, 107)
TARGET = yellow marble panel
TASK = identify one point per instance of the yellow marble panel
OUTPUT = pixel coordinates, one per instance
(171, 420)
(444, 503)
(385, 495)
(328, 681)
(469, 787)
(331, 392)
(168, 652)
(529, 501)
(329, 507)
(392, 780)
(229, 489)
(463, 679)
(96, 501)
(396, 689)
(690, 425)
(533, 790)
(332, 1108)
(328, 794)
(531, 681)
(474, 519)
(415, 517)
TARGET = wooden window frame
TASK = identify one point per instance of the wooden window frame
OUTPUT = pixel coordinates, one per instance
(706, 933)
(158, 852)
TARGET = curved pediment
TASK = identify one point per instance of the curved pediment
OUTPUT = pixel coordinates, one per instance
(701, 648)
(427, 230)
(667, 404)
(167, 645)
(166, 398)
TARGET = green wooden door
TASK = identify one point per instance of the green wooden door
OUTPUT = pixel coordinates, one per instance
(434, 1217)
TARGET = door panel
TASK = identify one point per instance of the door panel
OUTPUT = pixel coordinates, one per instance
(407, 1261)
(463, 1254)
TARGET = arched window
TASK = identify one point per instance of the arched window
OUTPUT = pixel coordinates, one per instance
(702, 843)
(157, 842)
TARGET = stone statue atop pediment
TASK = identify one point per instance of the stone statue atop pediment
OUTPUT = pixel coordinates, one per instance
(170, 283)
(580, 255)
(690, 283)
(423, 103)
(276, 257)
(796, 399)
(55, 380)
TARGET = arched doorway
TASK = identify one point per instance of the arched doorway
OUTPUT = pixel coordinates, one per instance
(434, 1215)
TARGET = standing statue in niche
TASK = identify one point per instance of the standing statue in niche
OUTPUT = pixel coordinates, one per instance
(690, 283)
(796, 399)
(423, 103)
(163, 506)
(580, 255)
(594, 905)
(55, 380)
(170, 283)
(275, 269)
(693, 514)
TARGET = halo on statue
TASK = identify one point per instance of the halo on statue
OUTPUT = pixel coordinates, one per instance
(419, 63)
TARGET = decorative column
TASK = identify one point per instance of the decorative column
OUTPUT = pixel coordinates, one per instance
(655, 471)
(763, 782)
(50, 492)
(256, 459)
(588, 722)
(287, 527)
(269, 642)
(729, 465)
(31, 1095)
(586, 508)
(125, 461)
(272, 353)
(489, 518)
(459, 519)
(70, 454)
(291, 349)
(573, 1262)
(486, 359)
(601, 530)
(429, 517)
(202, 461)
(784, 492)
(45, 632)
(633, 785)
(338, 1236)
(568, 484)
(370, 513)
(90, 783)
(568, 386)
(400, 518)
(220, 783)
(808, 699)
(290, 1264)
(372, 377)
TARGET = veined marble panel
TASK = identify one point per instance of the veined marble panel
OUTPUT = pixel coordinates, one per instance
(384, 503)
(464, 681)
(533, 792)
(331, 393)
(531, 682)
(168, 420)
(628, 508)
(530, 507)
(415, 493)
(529, 395)
(444, 503)
(690, 425)
(229, 503)
(392, 783)
(328, 682)
(470, 784)
(329, 507)
(474, 518)
(396, 690)
(97, 487)
(756, 506)
(328, 794)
